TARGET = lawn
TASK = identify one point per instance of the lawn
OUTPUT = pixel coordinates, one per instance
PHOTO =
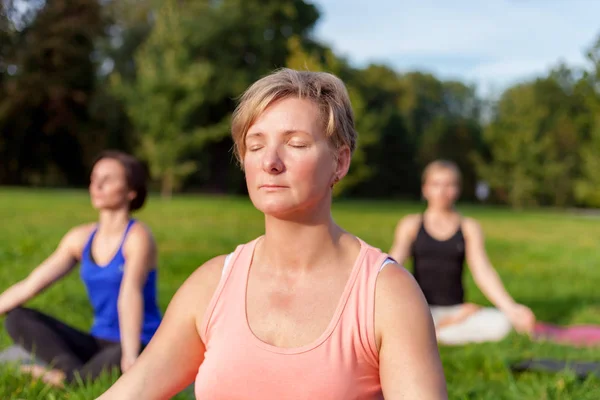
(549, 260)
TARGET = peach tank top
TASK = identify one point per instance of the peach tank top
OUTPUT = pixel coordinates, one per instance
(342, 364)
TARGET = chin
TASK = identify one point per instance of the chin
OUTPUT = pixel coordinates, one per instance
(102, 206)
(275, 210)
(289, 211)
(278, 208)
(443, 204)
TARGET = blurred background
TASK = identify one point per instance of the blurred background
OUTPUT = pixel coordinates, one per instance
(510, 90)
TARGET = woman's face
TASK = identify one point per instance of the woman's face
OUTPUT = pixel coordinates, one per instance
(108, 186)
(441, 188)
(289, 164)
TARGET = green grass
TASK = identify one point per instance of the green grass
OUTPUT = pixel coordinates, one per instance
(547, 259)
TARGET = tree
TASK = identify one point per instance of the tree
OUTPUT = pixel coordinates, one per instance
(168, 87)
(390, 152)
(46, 98)
(453, 132)
(200, 56)
(457, 139)
(534, 141)
(587, 187)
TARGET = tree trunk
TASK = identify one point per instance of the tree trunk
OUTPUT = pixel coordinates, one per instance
(166, 186)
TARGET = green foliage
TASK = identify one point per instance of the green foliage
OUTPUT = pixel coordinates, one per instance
(168, 88)
(587, 186)
(160, 78)
(47, 91)
(535, 140)
(186, 78)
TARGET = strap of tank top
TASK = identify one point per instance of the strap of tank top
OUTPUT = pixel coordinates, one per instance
(387, 261)
(460, 221)
(86, 248)
(226, 272)
(225, 264)
(88, 243)
(129, 225)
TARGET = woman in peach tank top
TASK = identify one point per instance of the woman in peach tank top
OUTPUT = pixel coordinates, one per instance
(306, 311)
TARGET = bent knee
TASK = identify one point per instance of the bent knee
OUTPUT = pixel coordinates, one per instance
(14, 319)
(496, 319)
(485, 325)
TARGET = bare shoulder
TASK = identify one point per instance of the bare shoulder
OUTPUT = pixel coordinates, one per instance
(396, 285)
(208, 274)
(409, 362)
(195, 293)
(411, 219)
(471, 227)
(141, 231)
(399, 300)
(80, 232)
(75, 239)
(140, 235)
(199, 288)
(408, 224)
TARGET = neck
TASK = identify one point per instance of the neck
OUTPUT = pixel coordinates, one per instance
(440, 211)
(300, 245)
(113, 221)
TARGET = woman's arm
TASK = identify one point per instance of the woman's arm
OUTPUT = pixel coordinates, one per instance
(140, 257)
(409, 361)
(58, 264)
(404, 236)
(488, 280)
(171, 360)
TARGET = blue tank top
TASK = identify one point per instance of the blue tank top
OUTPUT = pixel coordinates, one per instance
(103, 284)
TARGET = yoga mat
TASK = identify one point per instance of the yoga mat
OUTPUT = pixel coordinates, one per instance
(574, 335)
(582, 369)
(16, 354)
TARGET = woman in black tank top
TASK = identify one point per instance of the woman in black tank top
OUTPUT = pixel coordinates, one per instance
(439, 241)
(438, 266)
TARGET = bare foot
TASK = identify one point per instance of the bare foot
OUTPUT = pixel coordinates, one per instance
(53, 377)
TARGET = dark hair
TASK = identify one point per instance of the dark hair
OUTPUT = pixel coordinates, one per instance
(135, 173)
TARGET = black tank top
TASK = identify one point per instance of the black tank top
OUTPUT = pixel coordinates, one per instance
(438, 267)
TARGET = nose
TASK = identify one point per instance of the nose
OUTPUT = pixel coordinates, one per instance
(96, 184)
(272, 162)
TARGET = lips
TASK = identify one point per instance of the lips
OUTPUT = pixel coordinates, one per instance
(270, 186)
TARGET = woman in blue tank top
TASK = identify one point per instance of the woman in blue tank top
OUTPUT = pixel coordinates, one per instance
(439, 241)
(117, 257)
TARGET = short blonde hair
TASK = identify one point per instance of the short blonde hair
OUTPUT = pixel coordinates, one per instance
(442, 165)
(327, 91)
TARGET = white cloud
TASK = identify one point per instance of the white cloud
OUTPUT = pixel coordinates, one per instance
(499, 40)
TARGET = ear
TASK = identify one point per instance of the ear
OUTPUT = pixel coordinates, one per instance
(131, 195)
(342, 162)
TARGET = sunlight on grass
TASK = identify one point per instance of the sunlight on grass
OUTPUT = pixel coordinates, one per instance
(548, 260)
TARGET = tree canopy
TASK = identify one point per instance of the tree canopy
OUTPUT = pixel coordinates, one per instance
(160, 79)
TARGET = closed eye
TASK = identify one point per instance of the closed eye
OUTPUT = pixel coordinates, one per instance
(298, 145)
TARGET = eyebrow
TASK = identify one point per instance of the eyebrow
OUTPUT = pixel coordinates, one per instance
(287, 132)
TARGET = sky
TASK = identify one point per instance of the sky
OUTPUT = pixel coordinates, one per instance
(492, 43)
